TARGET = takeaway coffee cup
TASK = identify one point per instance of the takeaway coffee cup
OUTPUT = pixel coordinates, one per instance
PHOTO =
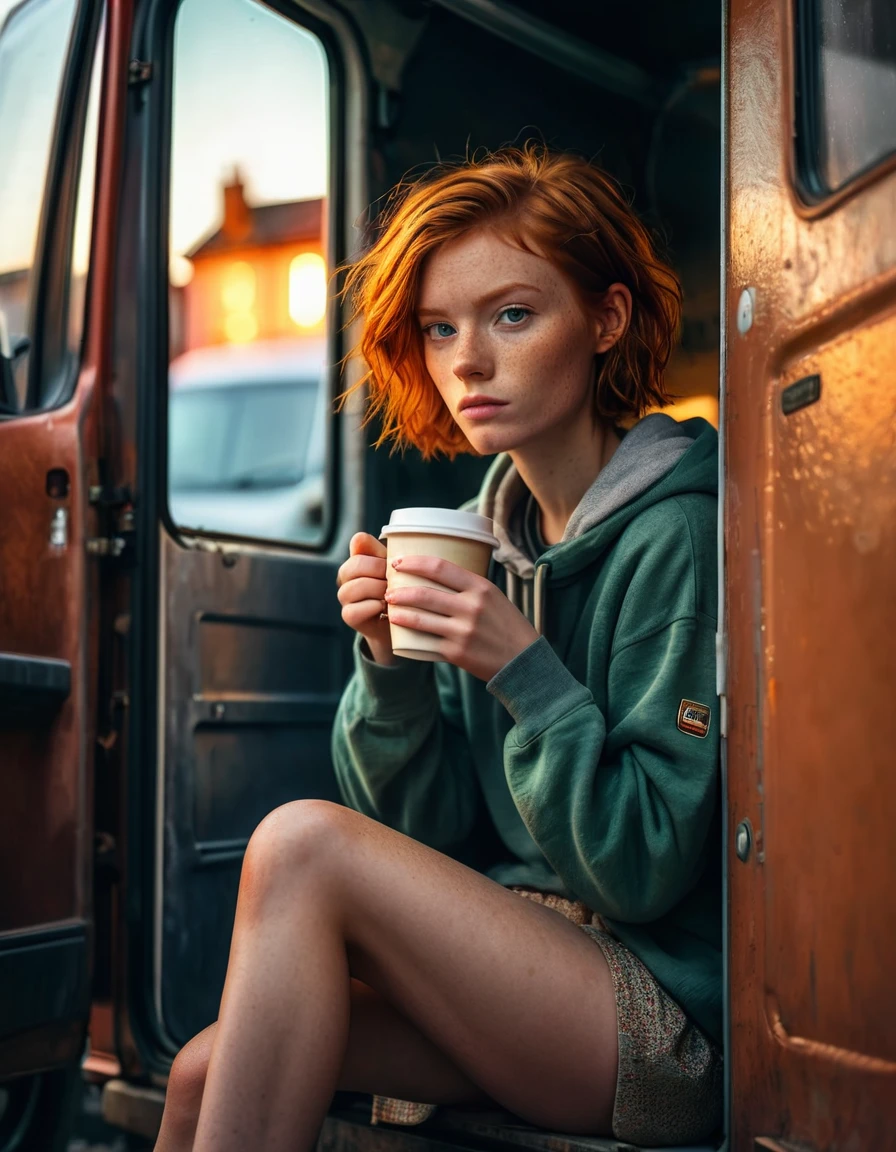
(464, 538)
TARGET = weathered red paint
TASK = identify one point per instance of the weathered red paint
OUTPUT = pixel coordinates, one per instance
(811, 553)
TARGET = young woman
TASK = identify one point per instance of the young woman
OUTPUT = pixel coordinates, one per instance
(513, 305)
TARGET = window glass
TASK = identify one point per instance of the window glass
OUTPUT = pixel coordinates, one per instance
(851, 66)
(248, 268)
(83, 231)
(32, 58)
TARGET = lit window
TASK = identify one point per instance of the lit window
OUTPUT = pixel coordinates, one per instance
(307, 290)
(238, 300)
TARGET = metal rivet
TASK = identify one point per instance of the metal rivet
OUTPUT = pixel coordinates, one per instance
(745, 309)
(219, 711)
(743, 840)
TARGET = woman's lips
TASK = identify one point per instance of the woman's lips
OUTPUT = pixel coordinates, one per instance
(482, 411)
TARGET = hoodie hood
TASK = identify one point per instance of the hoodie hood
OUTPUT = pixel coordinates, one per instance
(658, 458)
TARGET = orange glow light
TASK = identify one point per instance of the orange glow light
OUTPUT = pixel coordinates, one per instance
(307, 290)
(238, 299)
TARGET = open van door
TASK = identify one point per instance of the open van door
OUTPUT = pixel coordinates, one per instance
(811, 547)
(62, 67)
(245, 186)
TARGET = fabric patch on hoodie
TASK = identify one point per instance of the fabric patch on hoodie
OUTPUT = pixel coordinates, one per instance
(694, 718)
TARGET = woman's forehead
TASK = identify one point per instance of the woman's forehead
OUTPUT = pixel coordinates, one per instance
(481, 259)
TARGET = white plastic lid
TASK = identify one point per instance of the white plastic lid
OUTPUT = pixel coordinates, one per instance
(441, 522)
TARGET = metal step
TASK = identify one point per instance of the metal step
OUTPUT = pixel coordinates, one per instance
(138, 1109)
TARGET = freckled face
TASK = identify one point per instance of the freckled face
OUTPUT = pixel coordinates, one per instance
(506, 325)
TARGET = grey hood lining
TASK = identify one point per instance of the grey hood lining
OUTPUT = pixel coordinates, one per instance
(646, 454)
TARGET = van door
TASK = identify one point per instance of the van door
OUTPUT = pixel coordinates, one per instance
(60, 60)
(243, 172)
(250, 149)
(811, 539)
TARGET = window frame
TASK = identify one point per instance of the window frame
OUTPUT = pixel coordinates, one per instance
(53, 367)
(302, 17)
(809, 181)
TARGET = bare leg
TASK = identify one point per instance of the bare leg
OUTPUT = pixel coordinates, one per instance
(386, 1055)
(515, 996)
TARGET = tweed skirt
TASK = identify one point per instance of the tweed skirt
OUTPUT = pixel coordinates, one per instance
(670, 1082)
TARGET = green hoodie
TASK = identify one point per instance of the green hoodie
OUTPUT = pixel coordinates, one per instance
(581, 752)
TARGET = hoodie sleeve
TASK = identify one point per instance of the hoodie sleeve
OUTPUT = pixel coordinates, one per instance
(620, 800)
(400, 752)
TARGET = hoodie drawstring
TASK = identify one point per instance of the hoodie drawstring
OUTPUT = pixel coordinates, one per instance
(513, 588)
(530, 597)
(542, 572)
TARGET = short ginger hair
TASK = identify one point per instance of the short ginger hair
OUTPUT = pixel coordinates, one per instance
(554, 204)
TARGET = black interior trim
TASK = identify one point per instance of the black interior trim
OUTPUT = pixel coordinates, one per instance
(32, 688)
(807, 135)
(48, 972)
(622, 77)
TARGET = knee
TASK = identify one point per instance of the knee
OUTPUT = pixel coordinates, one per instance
(186, 1081)
(295, 839)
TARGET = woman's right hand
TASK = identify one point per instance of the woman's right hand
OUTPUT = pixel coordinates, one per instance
(361, 584)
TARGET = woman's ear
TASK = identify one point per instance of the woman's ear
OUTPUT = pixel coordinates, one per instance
(612, 316)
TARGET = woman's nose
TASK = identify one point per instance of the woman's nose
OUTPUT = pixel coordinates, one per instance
(472, 358)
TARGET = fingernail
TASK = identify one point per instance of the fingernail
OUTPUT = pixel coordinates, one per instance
(388, 596)
(396, 563)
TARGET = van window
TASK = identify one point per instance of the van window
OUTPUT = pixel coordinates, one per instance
(846, 91)
(32, 60)
(249, 265)
(83, 228)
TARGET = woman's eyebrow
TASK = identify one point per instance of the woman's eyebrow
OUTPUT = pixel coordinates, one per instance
(481, 301)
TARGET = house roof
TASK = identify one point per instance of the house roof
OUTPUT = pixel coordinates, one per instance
(270, 224)
(15, 276)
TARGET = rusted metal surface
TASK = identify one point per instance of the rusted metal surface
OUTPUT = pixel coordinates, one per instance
(811, 553)
(101, 1062)
(49, 608)
(43, 612)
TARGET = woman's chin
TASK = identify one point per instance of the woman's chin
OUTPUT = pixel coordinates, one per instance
(491, 441)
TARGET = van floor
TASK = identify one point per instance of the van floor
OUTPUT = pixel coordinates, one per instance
(347, 1129)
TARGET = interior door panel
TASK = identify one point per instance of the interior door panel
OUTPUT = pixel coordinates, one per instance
(254, 655)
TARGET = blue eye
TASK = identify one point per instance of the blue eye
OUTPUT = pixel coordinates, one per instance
(439, 331)
(516, 315)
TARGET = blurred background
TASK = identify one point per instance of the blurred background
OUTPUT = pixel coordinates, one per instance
(247, 237)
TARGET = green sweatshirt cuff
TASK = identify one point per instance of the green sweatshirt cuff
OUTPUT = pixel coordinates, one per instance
(537, 689)
(393, 691)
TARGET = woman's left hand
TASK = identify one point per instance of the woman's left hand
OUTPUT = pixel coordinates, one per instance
(479, 629)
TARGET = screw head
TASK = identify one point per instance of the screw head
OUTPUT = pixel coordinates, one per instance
(745, 308)
(743, 840)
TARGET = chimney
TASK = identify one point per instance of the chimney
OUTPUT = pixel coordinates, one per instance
(237, 225)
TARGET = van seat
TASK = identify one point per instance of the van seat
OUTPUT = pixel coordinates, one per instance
(491, 1130)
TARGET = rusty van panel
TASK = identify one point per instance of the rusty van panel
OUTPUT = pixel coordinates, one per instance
(811, 555)
(42, 614)
(50, 606)
(829, 649)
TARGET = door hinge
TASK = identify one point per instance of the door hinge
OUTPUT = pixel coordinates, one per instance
(139, 73)
(722, 680)
(107, 546)
(105, 497)
(116, 513)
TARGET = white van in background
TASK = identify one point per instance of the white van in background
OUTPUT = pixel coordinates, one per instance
(246, 439)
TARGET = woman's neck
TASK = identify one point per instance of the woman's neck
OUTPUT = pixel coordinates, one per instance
(558, 476)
